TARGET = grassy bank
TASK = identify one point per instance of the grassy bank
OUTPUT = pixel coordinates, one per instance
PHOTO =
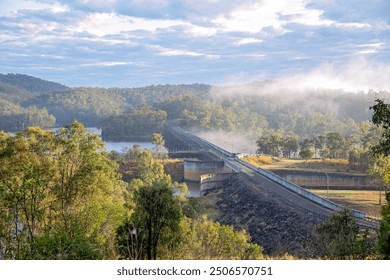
(327, 165)
(366, 201)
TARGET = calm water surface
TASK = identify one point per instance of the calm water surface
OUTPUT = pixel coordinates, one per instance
(120, 146)
(193, 188)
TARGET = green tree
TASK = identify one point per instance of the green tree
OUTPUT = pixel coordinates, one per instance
(158, 141)
(136, 124)
(157, 212)
(306, 153)
(270, 143)
(381, 118)
(384, 231)
(58, 186)
(339, 238)
(88, 189)
(379, 170)
(289, 146)
(156, 216)
(203, 239)
(26, 172)
(319, 143)
(335, 144)
(15, 118)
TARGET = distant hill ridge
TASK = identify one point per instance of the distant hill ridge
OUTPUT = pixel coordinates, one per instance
(31, 84)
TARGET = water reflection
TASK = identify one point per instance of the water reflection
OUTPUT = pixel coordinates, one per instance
(120, 147)
(193, 188)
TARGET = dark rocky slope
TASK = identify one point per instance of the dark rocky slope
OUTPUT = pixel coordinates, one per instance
(271, 222)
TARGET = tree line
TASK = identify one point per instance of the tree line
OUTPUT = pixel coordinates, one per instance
(251, 109)
(340, 237)
(355, 148)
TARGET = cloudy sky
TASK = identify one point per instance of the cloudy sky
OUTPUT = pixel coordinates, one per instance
(117, 43)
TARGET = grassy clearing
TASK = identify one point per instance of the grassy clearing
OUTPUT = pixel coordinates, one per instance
(327, 165)
(366, 201)
(260, 160)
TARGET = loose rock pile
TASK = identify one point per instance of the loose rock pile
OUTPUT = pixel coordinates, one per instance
(271, 222)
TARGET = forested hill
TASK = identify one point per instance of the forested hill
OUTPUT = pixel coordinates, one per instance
(134, 113)
(31, 84)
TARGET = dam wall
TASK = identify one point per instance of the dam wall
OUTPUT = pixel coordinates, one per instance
(209, 181)
(193, 169)
(320, 180)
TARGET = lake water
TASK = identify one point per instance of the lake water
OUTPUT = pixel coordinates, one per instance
(118, 146)
(193, 188)
(121, 146)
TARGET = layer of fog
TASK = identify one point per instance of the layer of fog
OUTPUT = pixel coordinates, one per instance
(358, 76)
(231, 142)
(315, 90)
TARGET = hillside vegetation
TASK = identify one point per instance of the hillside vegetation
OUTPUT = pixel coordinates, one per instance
(251, 109)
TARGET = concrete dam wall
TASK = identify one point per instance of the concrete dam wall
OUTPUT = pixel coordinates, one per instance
(193, 169)
(320, 180)
(209, 181)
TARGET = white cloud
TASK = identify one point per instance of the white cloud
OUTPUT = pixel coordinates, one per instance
(99, 2)
(52, 56)
(149, 3)
(254, 17)
(352, 25)
(201, 31)
(179, 52)
(15, 6)
(102, 24)
(213, 38)
(255, 55)
(251, 19)
(370, 48)
(246, 41)
(107, 63)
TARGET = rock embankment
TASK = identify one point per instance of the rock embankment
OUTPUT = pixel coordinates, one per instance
(271, 222)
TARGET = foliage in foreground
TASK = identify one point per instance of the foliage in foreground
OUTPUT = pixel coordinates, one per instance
(381, 118)
(158, 229)
(340, 238)
(60, 195)
(195, 239)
